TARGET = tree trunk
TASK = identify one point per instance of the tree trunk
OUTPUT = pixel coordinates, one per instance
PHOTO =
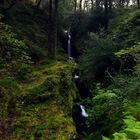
(92, 5)
(106, 14)
(120, 3)
(75, 5)
(97, 4)
(50, 34)
(110, 5)
(138, 3)
(80, 5)
(55, 27)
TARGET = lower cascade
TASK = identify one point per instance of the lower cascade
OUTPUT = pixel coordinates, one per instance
(76, 76)
(83, 113)
(69, 45)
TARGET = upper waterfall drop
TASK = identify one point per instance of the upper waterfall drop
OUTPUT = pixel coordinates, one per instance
(69, 46)
(83, 113)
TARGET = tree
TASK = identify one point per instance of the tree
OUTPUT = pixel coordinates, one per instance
(50, 40)
(138, 3)
(110, 5)
(75, 5)
(106, 14)
(55, 26)
(52, 35)
(92, 4)
(80, 5)
(97, 2)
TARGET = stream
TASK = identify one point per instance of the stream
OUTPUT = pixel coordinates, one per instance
(79, 113)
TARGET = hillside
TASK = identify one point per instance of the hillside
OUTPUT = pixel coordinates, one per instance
(36, 93)
(69, 70)
(38, 109)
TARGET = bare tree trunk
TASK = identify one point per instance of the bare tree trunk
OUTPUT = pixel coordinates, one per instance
(110, 5)
(84, 8)
(106, 14)
(75, 5)
(80, 5)
(120, 3)
(50, 37)
(138, 3)
(97, 4)
(92, 5)
(86, 5)
(55, 27)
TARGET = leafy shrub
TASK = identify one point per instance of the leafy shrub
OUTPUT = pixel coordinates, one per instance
(24, 73)
(8, 90)
(8, 86)
(104, 110)
(130, 131)
(36, 53)
(98, 59)
(13, 52)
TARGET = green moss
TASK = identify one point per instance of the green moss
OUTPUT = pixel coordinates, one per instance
(9, 89)
(45, 104)
(31, 26)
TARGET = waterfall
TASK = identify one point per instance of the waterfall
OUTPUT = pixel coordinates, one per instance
(83, 113)
(69, 45)
(76, 76)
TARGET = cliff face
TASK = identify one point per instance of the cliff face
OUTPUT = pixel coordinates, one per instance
(42, 108)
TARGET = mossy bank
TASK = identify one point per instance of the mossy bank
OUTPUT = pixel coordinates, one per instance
(41, 108)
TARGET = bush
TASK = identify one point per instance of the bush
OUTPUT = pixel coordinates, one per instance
(24, 73)
(104, 109)
(8, 85)
(98, 59)
(8, 90)
(13, 51)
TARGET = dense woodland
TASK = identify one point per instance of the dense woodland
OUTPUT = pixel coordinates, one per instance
(42, 88)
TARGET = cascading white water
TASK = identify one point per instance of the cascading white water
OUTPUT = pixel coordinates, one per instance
(76, 76)
(69, 45)
(84, 113)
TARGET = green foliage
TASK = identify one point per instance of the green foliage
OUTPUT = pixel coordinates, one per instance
(104, 107)
(131, 130)
(125, 28)
(40, 107)
(44, 112)
(115, 57)
(13, 52)
(24, 73)
(131, 51)
(30, 24)
(97, 59)
(36, 53)
(8, 90)
(8, 85)
(42, 92)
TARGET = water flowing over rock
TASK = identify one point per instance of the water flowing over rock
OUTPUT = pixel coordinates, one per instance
(69, 45)
(83, 113)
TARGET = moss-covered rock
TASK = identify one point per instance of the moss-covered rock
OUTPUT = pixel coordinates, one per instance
(44, 105)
